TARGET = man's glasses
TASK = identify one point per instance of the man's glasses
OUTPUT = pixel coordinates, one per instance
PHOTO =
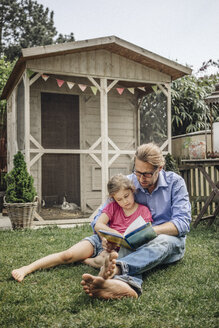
(144, 174)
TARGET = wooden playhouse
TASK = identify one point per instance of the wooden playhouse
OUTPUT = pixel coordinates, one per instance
(73, 110)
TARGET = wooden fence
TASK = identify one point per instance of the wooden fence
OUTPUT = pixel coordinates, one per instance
(199, 188)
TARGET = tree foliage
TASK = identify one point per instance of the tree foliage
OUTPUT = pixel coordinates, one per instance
(170, 164)
(25, 23)
(5, 70)
(153, 117)
(189, 110)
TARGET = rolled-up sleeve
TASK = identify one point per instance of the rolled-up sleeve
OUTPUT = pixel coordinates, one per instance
(181, 207)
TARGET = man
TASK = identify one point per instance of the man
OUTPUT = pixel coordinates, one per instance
(166, 195)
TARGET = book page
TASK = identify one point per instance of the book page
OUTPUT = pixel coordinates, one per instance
(138, 223)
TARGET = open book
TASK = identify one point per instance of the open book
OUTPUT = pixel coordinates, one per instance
(138, 233)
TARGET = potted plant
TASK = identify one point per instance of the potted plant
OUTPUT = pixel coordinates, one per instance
(20, 196)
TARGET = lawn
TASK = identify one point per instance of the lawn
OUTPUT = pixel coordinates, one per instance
(181, 295)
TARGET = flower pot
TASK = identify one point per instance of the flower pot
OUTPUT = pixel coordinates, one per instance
(21, 214)
(197, 150)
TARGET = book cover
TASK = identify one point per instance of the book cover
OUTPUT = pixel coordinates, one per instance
(138, 233)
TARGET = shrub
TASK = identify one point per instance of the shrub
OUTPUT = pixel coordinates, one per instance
(171, 164)
(19, 182)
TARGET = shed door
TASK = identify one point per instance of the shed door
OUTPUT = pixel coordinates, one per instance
(60, 130)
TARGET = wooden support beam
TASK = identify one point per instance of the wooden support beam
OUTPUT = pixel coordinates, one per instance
(96, 159)
(94, 82)
(104, 135)
(164, 145)
(35, 142)
(165, 92)
(113, 159)
(113, 144)
(27, 119)
(169, 125)
(35, 159)
(95, 144)
(166, 89)
(62, 222)
(111, 85)
(35, 78)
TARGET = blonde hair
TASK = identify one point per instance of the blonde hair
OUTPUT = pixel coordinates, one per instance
(151, 154)
(118, 182)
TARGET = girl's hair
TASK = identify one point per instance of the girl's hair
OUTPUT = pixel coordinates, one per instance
(151, 154)
(117, 182)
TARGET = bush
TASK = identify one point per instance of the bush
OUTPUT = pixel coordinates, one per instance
(171, 164)
(19, 182)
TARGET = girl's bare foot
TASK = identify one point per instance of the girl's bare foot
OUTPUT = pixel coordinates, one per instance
(106, 289)
(109, 268)
(19, 274)
(98, 261)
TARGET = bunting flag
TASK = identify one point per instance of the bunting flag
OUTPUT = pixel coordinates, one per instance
(94, 89)
(120, 90)
(83, 87)
(132, 90)
(154, 87)
(60, 82)
(45, 77)
(70, 84)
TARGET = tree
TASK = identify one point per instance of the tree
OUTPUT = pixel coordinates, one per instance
(65, 38)
(20, 188)
(5, 70)
(189, 110)
(153, 117)
(209, 63)
(25, 23)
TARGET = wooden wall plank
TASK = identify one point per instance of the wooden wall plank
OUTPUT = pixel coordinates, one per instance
(99, 63)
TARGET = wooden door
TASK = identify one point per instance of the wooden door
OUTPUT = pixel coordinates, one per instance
(60, 130)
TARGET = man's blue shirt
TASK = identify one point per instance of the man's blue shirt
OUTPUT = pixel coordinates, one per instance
(169, 201)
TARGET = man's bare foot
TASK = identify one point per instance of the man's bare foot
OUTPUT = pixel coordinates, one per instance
(106, 289)
(109, 268)
(19, 274)
(98, 261)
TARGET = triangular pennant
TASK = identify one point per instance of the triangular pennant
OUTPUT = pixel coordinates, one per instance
(141, 88)
(60, 82)
(82, 87)
(120, 90)
(154, 87)
(45, 77)
(94, 89)
(70, 84)
(132, 90)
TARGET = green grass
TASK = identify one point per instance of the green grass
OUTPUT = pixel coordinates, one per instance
(181, 295)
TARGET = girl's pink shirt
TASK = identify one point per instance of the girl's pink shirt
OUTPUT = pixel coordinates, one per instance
(119, 221)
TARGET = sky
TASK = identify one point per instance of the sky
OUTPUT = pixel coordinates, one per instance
(186, 31)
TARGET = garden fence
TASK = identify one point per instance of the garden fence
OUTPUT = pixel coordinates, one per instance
(198, 188)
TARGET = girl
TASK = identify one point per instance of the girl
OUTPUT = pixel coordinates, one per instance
(116, 217)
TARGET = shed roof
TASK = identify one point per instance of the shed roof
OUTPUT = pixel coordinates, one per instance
(110, 43)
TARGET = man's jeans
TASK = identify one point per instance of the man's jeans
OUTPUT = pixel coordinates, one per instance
(161, 250)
